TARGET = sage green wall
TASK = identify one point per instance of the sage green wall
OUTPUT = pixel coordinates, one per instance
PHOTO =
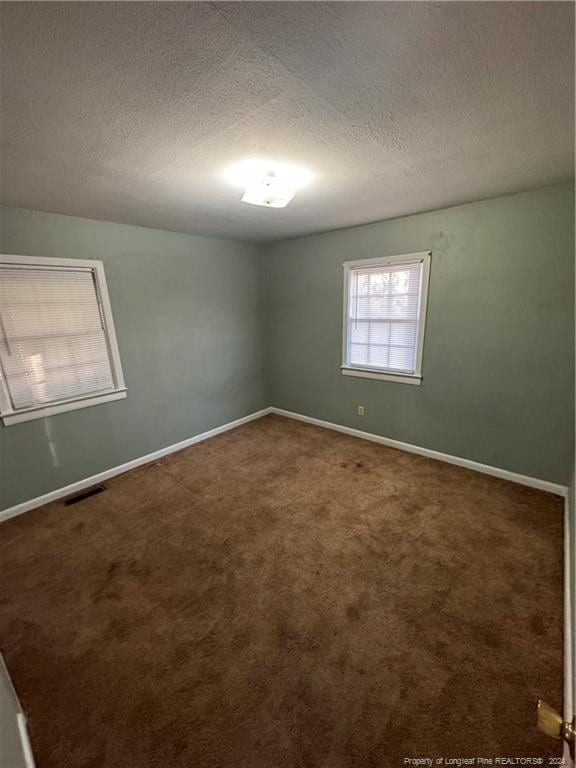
(210, 330)
(498, 355)
(187, 317)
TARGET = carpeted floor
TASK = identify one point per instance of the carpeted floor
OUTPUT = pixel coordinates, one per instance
(285, 596)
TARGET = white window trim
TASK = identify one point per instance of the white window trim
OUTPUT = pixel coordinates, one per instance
(11, 416)
(422, 257)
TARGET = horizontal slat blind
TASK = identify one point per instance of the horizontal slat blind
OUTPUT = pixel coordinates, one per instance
(383, 315)
(53, 345)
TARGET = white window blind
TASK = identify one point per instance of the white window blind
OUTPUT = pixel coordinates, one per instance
(383, 318)
(54, 343)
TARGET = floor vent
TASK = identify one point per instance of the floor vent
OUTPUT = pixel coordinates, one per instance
(85, 495)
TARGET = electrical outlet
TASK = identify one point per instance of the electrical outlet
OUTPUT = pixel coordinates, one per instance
(360, 410)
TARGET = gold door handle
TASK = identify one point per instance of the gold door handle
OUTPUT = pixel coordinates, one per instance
(553, 724)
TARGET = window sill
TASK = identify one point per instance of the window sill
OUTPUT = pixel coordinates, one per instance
(41, 412)
(367, 373)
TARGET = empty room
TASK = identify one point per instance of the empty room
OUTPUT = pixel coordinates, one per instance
(287, 384)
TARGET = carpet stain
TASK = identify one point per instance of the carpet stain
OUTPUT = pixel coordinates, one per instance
(283, 596)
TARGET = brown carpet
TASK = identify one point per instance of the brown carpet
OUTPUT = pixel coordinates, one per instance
(283, 595)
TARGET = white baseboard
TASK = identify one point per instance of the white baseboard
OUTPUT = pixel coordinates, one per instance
(15, 749)
(503, 474)
(569, 607)
(25, 740)
(59, 493)
(544, 485)
(46, 498)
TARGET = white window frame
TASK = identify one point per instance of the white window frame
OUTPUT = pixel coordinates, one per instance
(347, 368)
(11, 415)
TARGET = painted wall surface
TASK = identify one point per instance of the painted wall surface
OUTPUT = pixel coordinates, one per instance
(570, 596)
(210, 330)
(11, 749)
(187, 317)
(498, 355)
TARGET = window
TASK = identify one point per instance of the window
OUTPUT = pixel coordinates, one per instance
(58, 349)
(384, 317)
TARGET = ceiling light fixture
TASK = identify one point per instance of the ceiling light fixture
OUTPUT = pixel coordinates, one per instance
(266, 182)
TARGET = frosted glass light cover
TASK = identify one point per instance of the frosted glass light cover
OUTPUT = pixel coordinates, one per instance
(269, 191)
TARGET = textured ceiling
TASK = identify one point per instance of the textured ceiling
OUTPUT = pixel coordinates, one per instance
(129, 111)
